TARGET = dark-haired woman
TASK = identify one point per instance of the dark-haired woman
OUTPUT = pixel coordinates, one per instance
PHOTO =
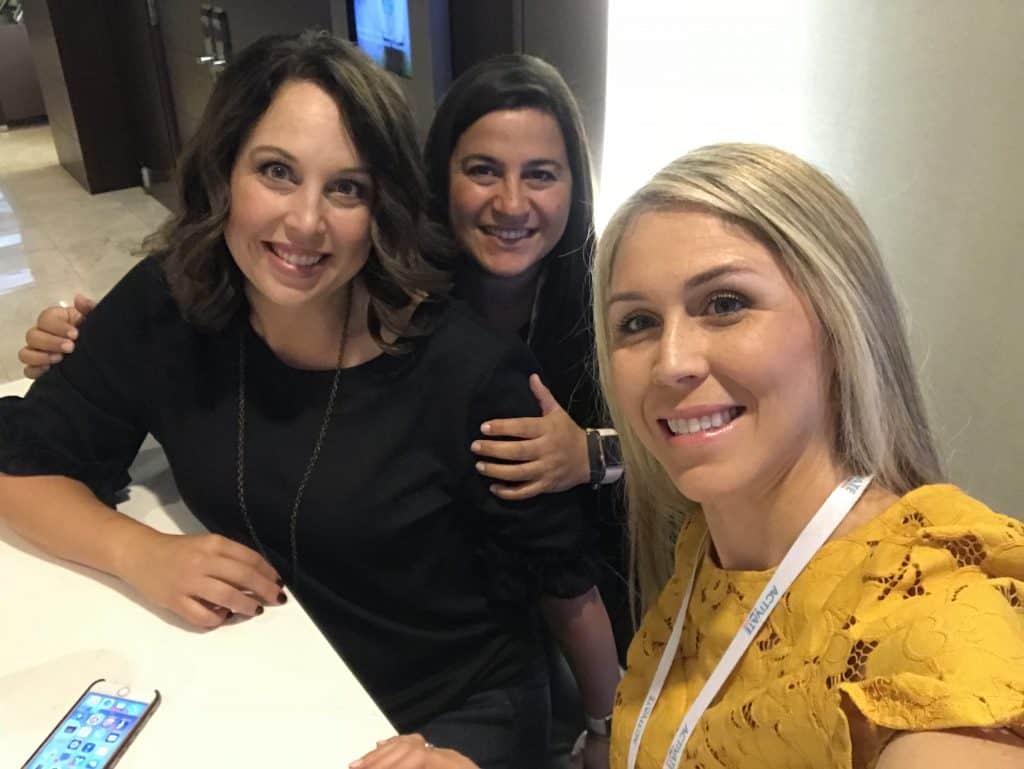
(509, 172)
(286, 343)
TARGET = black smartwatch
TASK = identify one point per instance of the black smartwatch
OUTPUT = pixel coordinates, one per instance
(605, 455)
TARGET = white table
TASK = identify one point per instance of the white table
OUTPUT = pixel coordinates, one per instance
(264, 692)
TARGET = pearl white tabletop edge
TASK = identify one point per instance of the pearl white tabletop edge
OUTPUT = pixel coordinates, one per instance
(263, 692)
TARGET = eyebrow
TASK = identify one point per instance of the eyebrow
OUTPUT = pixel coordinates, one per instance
(292, 159)
(477, 157)
(698, 280)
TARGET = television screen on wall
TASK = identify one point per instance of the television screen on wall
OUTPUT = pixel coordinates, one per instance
(382, 30)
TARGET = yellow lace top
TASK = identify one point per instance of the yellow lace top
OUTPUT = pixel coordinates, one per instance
(917, 617)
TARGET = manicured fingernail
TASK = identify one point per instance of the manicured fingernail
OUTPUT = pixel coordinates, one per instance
(281, 597)
(259, 610)
(492, 489)
(479, 467)
(55, 357)
(485, 427)
(357, 763)
(73, 333)
(474, 446)
(67, 346)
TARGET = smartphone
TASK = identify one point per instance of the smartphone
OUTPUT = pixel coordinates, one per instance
(97, 729)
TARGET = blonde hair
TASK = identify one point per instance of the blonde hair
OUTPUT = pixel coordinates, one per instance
(820, 240)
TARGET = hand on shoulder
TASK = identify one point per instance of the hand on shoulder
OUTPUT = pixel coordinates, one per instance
(53, 336)
(549, 454)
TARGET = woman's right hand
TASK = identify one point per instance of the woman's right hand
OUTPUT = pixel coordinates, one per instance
(202, 578)
(411, 751)
(53, 336)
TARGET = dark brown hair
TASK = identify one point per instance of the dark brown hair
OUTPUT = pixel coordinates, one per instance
(560, 337)
(405, 261)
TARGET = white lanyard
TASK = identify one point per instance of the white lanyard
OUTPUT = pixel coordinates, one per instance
(814, 535)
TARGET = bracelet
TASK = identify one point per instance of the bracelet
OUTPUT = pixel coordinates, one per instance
(599, 727)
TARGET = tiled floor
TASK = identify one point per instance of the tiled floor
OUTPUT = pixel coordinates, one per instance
(55, 238)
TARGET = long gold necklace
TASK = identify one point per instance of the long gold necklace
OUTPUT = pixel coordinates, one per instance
(293, 518)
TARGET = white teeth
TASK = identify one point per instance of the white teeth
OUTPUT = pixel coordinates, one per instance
(299, 259)
(507, 234)
(707, 422)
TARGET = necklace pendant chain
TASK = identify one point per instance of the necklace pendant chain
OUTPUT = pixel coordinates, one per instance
(293, 518)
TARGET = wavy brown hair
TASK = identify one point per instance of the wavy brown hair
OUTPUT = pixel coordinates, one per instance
(407, 253)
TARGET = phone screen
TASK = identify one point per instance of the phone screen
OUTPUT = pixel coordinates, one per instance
(91, 734)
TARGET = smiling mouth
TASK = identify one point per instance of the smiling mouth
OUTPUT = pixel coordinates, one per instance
(705, 424)
(294, 256)
(508, 235)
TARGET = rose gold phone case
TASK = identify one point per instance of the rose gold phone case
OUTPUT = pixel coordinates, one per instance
(119, 751)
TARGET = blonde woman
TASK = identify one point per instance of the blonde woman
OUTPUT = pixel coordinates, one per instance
(829, 603)
(754, 359)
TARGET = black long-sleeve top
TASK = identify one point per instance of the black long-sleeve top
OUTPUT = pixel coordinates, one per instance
(421, 579)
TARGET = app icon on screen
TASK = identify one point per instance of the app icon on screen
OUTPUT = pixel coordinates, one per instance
(102, 750)
(108, 722)
(93, 701)
(70, 729)
(121, 725)
(93, 720)
(88, 747)
(85, 731)
(92, 764)
(107, 702)
(112, 737)
(73, 745)
(119, 706)
(65, 756)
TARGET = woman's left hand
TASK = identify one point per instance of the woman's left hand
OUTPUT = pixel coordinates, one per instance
(411, 751)
(550, 455)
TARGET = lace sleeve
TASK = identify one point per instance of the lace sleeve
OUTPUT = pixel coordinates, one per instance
(954, 657)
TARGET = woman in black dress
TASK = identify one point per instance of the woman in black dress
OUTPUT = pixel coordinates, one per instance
(288, 342)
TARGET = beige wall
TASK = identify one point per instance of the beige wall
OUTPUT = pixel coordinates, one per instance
(916, 107)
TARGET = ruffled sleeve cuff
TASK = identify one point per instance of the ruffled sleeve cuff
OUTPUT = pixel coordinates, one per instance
(523, 577)
(963, 667)
(30, 444)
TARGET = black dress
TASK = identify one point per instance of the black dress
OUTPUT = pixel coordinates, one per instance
(560, 335)
(420, 578)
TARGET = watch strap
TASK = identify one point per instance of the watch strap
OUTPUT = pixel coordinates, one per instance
(611, 455)
(595, 456)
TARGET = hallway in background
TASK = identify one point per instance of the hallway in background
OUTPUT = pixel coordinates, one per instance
(56, 238)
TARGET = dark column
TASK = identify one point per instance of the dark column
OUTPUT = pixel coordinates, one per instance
(72, 48)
